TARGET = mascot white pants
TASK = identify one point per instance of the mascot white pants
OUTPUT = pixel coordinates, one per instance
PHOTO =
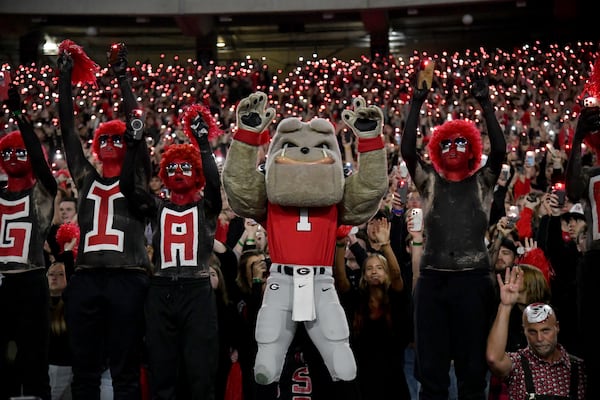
(285, 295)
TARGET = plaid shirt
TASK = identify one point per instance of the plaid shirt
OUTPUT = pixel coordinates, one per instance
(550, 378)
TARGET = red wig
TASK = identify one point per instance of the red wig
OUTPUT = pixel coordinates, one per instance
(115, 126)
(464, 128)
(186, 152)
(12, 140)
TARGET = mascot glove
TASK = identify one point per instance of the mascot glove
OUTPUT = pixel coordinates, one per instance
(365, 121)
(252, 114)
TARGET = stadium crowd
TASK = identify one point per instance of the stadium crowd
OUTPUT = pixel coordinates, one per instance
(537, 91)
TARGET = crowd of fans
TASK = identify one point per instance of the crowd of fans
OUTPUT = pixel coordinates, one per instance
(536, 90)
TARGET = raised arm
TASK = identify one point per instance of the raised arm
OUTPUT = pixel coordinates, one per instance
(382, 233)
(589, 121)
(342, 283)
(78, 164)
(480, 89)
(408, 144)
(212, 190)
(132, 184)
(41, 169)
(498, 361)
(117, 58)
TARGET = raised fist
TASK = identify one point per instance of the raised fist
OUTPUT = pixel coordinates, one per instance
(135, 125)
(252, 114)
(199, 127)
(480, 88)
(117, 58)
(365, 121)
(13, 102)
(65, 64)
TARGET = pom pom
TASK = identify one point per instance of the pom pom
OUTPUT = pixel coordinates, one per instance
(537, 258)
(188, 115)
(66, 233)
(343, 231)
(84, 68)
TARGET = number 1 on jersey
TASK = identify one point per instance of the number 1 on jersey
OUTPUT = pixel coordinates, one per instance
(303, 224)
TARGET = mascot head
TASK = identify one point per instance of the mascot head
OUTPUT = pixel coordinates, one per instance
(304, 165)
(455, 149)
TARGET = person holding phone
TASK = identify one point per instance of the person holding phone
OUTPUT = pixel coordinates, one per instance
(454, 271)
(561, 250)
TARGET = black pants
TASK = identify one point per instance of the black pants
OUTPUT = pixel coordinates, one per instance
(453, 314)
(104, 311)
(182, 330)
(588, 306)
(24, 312)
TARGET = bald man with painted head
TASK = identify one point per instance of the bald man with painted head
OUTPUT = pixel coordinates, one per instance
(544, 367)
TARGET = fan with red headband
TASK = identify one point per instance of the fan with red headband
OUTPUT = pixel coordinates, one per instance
(84, 68)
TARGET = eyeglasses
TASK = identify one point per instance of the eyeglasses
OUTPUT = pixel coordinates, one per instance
(116, 139)
(20, 153)
(460, 143)
(186, 167)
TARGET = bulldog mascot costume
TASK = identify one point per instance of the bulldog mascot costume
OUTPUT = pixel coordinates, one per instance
(301, 197)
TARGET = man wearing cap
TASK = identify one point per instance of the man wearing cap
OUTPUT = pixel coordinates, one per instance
(543, 369)
(575, 220)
